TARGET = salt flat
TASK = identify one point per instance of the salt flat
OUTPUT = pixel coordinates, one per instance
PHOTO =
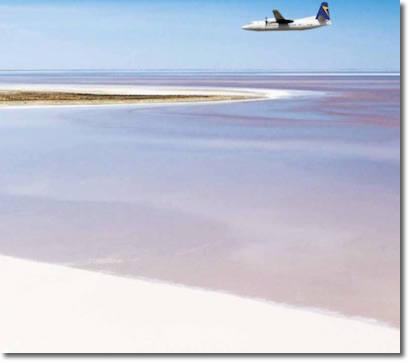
(46, 308)
(292, 200)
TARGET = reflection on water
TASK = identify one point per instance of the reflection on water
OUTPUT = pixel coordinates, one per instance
(295, 201)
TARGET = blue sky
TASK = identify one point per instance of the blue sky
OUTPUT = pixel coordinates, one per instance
(193, 34)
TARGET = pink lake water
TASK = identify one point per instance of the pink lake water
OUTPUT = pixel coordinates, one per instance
(295, 201)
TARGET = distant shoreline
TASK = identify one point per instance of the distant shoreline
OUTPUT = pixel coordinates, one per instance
(208, 71)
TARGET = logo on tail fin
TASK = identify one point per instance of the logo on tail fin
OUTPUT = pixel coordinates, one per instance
(324, 11)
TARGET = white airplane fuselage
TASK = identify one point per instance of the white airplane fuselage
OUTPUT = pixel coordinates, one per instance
(271, 24)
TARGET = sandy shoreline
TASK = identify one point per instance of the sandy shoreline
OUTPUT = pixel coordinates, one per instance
(43, 95)
(10, 98)
(48, 308)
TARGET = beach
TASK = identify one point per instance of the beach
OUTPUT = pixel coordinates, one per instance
(276, 215)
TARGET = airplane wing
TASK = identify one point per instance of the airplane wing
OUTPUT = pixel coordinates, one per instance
(280, 19)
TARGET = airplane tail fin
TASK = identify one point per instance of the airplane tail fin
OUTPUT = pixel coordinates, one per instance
(323, 12)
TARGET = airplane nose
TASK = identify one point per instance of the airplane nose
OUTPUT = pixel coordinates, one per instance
(246, 27)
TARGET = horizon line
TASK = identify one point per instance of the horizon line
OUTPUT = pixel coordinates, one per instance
(194, 70)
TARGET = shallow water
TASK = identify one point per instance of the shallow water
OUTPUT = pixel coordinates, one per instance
(295, 201)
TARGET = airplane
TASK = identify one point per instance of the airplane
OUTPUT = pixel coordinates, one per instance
(280, 23)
